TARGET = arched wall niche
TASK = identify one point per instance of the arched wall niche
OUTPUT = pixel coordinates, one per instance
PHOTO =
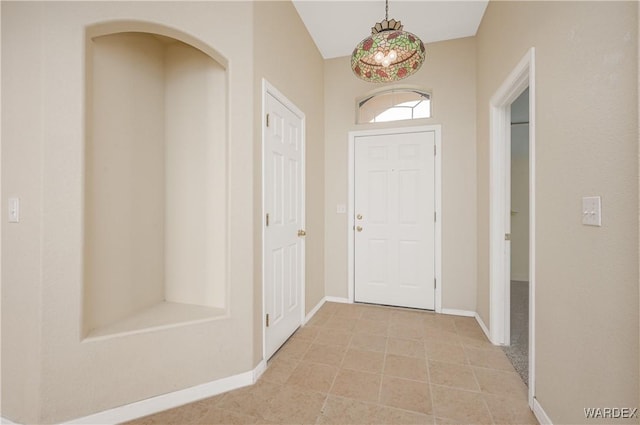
(155, 180)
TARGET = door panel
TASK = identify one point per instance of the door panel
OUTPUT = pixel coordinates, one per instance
(395, 236)
(283, 203)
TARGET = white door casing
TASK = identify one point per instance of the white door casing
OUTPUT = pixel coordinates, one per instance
(283, 207)
(393, 204)
(521, 77)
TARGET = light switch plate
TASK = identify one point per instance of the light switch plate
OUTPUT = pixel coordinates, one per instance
(591, 211)
(14, 210)
(341, 209)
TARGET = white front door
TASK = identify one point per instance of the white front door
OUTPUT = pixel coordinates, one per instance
(394, 208)
(284, 217)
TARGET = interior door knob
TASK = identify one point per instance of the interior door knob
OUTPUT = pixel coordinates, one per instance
(301, 233)
(359, 216)
(359, 228)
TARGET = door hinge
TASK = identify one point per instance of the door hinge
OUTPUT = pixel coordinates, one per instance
(267, 319)
(267, 120)
(267, 220)
(507, 236)
(434, 283)
(434, 150)
(435, 216)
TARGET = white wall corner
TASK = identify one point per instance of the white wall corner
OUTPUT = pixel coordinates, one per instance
(484, 328)
(314, 310)
(455, 312)
(259, 370)
(337, 300)
(540, 414)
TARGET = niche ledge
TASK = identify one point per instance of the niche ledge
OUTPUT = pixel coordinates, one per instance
(164, 315)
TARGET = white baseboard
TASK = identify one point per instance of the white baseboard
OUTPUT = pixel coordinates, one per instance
(159, 403)
(454, 312)
(337, 300)
(6, 421)
(483, 327)
(314, 310)
(321, 303)
(540, 414)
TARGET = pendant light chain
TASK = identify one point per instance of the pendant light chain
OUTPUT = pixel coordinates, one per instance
(386, 10)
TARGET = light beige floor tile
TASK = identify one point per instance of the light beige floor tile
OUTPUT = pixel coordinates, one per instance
(328, 308)
(293, 349)
(406, 330)
(364, 361)
(369, 342)
(313, 376)
(378, 313)
(252, 400)
(447, 421)
(482, 343)
(319, 320)
(445, 323)
(193, 412)
(326, 354)
(492, 359)
(333, 337)
(466, 322)
(279, 369)
(357, 385)
(338, 410)
(307, 332)
(509, 411)
(340, 323)
(473, 333)
(406, 367)
(405, 394)
(406, 347)
(451, 353)
(349, 311)
(391, 416)
(292, 405)
(508, 384)
(217, 416)
(372, 327)
(452, 375)
(440, 335)
(459, 405)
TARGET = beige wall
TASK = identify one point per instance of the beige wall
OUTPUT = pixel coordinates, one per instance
(290, 61)
(449, 73)
(48, 373)
(124, 178)
(586, 144)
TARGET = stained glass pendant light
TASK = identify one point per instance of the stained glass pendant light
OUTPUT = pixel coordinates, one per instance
(389, 54)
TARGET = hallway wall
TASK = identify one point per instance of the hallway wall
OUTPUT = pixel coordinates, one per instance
(586, 144)
(449, 74)
(49, 373)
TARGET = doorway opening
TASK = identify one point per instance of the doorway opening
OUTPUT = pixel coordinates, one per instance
(518, 350)
(521, 79)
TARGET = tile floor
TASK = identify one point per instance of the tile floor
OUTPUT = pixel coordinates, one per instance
(362, 364)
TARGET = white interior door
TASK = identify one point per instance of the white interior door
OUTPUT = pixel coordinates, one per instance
(284, 218)
(394, 208)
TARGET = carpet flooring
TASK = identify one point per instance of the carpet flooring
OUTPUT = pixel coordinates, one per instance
(518, 351)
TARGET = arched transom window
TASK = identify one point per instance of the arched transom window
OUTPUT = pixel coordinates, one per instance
(394, 105)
